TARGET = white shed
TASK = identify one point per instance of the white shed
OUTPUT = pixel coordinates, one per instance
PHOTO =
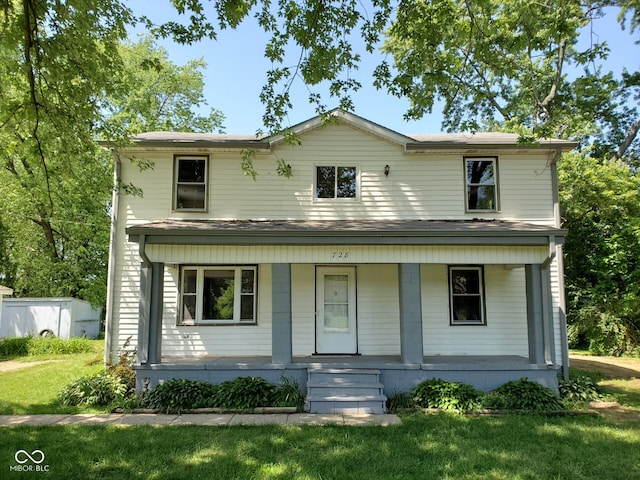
(62, 317)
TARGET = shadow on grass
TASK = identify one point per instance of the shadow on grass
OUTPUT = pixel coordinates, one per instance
(426, 447)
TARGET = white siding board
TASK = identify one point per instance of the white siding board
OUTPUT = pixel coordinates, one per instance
(303, 307)
(215, 340)
(506, 310)
(419, 186)
(356, 254)
(378, 310)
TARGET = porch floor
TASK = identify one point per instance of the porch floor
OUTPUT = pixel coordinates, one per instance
(458, 362)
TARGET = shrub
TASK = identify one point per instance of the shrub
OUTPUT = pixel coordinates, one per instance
(579, 389)
(524, 395)
(245, 393)
(179, 394)
(101, 389)
(12, 347)
(288, 394)
(58, 346)
(123, 369)
(453, 396)
(399, 401)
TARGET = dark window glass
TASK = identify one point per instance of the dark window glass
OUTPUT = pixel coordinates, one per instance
(325, 182)
(191, 170)
(346, 182)
(335, 182)
(481, 185)
(218, 294)
(466, 296)
(191, 184)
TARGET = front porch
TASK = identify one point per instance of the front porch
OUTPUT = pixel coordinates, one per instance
(483, 372)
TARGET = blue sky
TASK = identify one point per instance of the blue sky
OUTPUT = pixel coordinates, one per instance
(236, 70)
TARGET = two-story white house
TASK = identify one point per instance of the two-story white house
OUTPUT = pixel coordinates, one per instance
(405, 257)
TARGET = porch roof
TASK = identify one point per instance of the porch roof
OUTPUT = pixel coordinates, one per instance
(344, 232)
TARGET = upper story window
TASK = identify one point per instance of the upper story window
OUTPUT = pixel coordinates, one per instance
(481, 180)
(336, 182)
(217, 295)
(190, 183)
(466, 296)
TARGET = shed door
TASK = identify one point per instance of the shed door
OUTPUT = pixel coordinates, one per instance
(336, 310)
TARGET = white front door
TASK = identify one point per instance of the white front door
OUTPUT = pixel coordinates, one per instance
(336, 310)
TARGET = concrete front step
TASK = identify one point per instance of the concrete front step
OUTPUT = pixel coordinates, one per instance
(345, 390)
(344, 375)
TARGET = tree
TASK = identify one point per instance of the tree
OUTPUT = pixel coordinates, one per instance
(493, 63)
(602, 213)
(55, 181)
(154, 94)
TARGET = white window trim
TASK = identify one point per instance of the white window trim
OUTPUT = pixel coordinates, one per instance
(199, 321)
(176, 163)
(494, 159)
(336, 166)
(483, 314)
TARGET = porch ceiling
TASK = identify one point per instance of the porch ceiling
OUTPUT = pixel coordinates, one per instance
(344, 232)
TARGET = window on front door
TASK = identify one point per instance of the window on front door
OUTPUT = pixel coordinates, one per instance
(190, 184)
(217, 295)
(466, 296)
(335, 182)
(481, 183)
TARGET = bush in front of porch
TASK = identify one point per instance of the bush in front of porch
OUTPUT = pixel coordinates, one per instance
(242, 393)
(519, 395)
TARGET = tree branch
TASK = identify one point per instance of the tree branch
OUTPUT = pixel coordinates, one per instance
(545, 105)
(628, 140)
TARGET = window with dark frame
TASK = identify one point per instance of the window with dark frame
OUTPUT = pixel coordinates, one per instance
(481, 184)
(190, 183)
(336, 182)
(466, 296)
(217, 295)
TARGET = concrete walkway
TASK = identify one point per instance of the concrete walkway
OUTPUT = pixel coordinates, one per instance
(211, 419)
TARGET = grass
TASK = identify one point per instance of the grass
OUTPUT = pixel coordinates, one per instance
(33, 389)
(443, 446)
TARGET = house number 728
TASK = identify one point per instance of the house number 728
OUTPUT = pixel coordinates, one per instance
(338, 254)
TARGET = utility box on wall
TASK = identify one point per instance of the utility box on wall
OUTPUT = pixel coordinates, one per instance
(60, 317)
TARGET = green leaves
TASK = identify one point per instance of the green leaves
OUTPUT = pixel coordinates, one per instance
(601, 210)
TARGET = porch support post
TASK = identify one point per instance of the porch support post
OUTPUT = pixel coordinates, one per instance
(533, 276)
(157, 300)
(547, 316)
(281, 329)
(150, 312)
(409, 283)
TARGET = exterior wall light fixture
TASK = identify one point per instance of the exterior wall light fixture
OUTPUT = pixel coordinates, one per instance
(386, 170)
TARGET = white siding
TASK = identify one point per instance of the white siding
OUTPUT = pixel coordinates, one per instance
(506, 330)
(243, 340)
(303, 307)
(378, 310)
(419, 186)
(341, 254)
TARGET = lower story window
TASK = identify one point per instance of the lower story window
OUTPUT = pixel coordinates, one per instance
(217, 295)
(466, 296)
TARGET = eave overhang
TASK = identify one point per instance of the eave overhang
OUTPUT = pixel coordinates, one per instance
(344, 232)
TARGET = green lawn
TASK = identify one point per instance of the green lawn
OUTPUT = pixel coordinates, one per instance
(33, 389)
(442, 446)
